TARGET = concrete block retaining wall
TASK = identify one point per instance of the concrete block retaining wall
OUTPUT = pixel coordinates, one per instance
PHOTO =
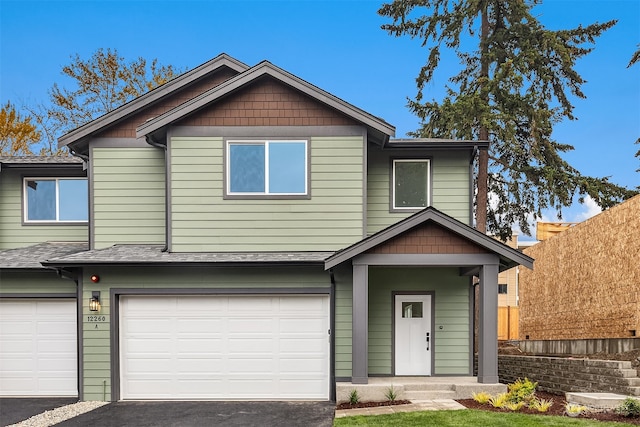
(563, 374)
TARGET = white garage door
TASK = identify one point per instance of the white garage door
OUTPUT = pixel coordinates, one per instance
(224, 347)
(38, 350)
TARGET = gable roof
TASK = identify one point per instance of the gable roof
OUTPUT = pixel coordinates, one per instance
(380, 129)
(40, 162)
(222, 60)
(509, 257)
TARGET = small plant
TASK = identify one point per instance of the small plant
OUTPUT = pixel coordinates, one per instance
(391, 394)
(540, 405)
(499, 400)
(574, 410)
(483, 397)
(521, 390)
(514, 406)
(354, 397)
(630, 407)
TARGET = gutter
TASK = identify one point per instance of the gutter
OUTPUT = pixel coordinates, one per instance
(150, 140)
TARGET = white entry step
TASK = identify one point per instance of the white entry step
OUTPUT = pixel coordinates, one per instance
(596, 400)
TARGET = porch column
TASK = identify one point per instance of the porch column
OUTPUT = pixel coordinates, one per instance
(488, 325)
(359, 325)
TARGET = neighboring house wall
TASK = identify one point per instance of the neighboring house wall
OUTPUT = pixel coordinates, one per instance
(13, 232)
(97, 351)
(450, 185)
(509, 278)
(128, 200)
(585, 282)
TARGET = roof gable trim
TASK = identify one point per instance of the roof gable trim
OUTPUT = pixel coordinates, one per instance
(262, 69)
(443, 220)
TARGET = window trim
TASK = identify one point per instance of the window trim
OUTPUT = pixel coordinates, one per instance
(227, 194)
(392, 183)
(56, 179)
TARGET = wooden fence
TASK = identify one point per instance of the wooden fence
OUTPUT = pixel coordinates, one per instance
(508, 319)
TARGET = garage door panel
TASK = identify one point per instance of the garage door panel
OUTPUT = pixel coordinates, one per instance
(226, 347)
(38, 351)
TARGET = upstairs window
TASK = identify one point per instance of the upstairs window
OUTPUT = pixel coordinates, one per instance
(267, 168)
(410, 184)
(55, 200)
(502, 288)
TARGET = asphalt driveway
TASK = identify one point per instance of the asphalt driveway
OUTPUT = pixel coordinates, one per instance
(13, 410)
(187, 414)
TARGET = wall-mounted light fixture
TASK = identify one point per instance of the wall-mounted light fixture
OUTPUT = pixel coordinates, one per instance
(95, 278)
(94, 302)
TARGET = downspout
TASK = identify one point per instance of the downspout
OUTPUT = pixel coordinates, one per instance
(156, 144)
(473, 157)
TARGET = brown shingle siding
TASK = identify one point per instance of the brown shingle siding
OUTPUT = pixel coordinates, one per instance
(428, 239)
(127, 127)
(267, 103)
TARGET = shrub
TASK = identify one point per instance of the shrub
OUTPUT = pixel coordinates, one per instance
(541, 405)
(391, 394)
(574, 410)
(514, 406)
(354, 397)
(630, 407)
(483, 397)
(499, 400)
(521, 390)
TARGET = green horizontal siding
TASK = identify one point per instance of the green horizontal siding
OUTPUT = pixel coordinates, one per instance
(97, 341)
(13, 234)
(343, 320)
(128, 196)
(37, 282)
(201, 220)
(450, 187)
(451, 343)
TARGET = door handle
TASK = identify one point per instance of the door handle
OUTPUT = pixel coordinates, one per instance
(427, 341)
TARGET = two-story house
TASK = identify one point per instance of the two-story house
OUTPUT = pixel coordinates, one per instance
(251, 236)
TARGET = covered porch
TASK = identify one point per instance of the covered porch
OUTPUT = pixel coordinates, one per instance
(420, 273)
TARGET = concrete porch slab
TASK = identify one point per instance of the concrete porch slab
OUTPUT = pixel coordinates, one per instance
(596, 400)
(426, 405)
(416, 388)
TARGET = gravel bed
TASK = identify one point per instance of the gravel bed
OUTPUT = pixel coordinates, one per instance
(55, 416)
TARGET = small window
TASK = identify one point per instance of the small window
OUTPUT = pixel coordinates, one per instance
(410, 184)
(502, 289)
(56, 200)
(412, 310)
(267, 168)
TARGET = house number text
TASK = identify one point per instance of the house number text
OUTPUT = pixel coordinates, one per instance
(96, 318)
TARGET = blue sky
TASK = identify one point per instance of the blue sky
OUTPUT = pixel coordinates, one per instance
(335, 44)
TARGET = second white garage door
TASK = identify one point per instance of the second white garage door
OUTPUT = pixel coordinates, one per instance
(38, 348)
(224, 347)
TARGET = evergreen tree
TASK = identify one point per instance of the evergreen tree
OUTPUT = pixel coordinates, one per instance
(513, 87)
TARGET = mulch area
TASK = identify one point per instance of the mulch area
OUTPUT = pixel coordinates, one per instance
(557, 409)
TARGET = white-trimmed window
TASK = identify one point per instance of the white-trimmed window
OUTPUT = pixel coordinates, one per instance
(267, 168)
(410, 184)
(55, 200)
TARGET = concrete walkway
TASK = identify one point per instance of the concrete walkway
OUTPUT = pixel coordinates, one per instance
(414, 406)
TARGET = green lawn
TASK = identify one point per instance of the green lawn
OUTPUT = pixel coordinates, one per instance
(468, 417)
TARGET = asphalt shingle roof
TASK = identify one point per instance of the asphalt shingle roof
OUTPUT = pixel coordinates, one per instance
(30, 257)
(42, 160)
(153, 254)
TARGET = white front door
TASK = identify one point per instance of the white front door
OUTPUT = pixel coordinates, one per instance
(413, 340)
